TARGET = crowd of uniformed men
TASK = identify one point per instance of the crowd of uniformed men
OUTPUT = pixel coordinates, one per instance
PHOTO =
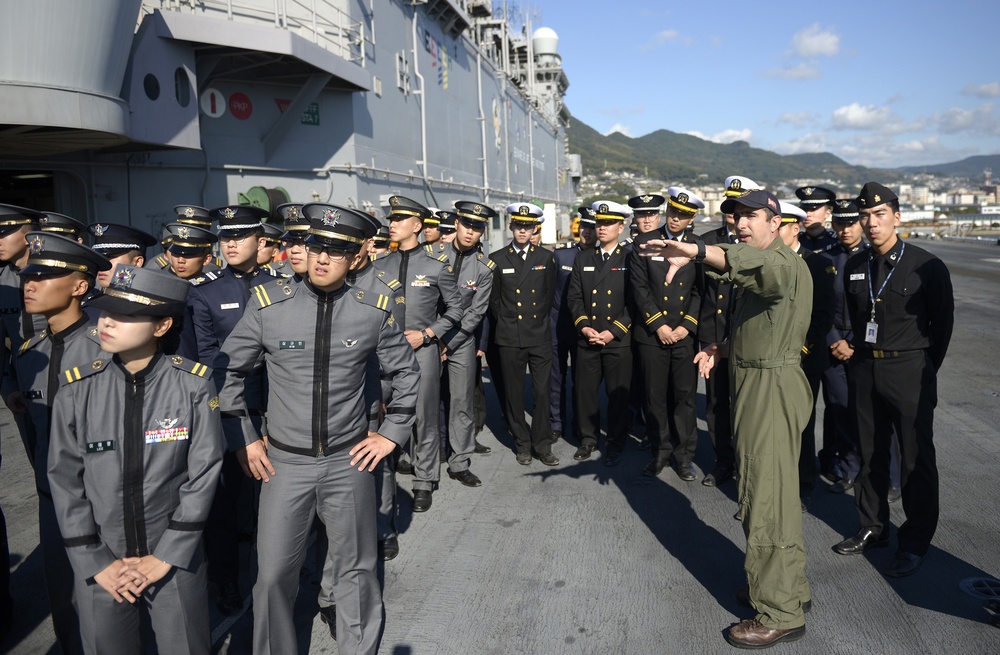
(346, 350)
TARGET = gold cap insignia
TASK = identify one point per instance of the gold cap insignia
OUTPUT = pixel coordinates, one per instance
(124, 277)
(189, 212)
(331, 218)
(603, 209)
(645, 198)
(735, 185)
(44, 220)
(293, 212)
(878, 198)
(524, 210)
(477, 209)
(228, 213)
(394, 200)
(807, 191)
(183, 232)
(682, 197)
(36, 246)
(99, 230)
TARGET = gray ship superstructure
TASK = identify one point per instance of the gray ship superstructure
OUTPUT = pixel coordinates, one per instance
(120, 109)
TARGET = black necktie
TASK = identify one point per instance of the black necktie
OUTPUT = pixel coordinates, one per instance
(607, 256)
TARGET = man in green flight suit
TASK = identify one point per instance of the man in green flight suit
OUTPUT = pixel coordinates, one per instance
(771, 401)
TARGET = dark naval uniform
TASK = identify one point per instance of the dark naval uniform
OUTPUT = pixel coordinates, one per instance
(822, 242)
(815, 356)
(316, 346)
(716, 305)
(600, 297)
(838, 424)
(136, 478)
(520, 309)
(669, 373)
(40, 364)
(563, 343)
(161, 263)
(424, 296)
(473, 274)
(893, 381)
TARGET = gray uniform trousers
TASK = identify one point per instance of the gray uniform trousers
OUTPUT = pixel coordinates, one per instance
(344, 498)
(462, 371)
(59, 578)
(177, 607)
(426, 447)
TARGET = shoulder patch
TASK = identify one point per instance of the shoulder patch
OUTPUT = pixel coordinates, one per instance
(33, 341)
(378, 300)
(190, 366)
(272, 292)
(429, 248)
(490, 264)
(206, 277)
(82, 371)
(162, 261)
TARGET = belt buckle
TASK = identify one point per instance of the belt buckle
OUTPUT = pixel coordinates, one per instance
(878, 354)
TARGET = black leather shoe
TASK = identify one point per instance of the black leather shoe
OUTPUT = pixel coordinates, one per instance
(524, 459)
(404, 467)
(556, 436)
(328, 615)
(831, 475)
(841, 487)
(743, 598)
(863, 541)
(548, 459)
(719, 476)
(481, 449)
(582, 453)
(421, 500)
(613, 458)
(229, 601)
(903, 564)
(388, 548)
(466, 477)
(685, 471)
(654, 468)
(645, 443)
(895, 493)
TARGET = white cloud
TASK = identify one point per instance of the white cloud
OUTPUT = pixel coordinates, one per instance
(812, 142)
(618, 112)
(857, 117)
(663, 37)
(725, 136)
(801, 71)
(989, 90)
(618, 127)
(981, 120)
(814, 41)
(797, 119)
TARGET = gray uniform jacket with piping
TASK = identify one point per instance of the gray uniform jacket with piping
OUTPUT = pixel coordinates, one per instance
(315, 346)
(423, 287)
(134, 460)
(473, 273)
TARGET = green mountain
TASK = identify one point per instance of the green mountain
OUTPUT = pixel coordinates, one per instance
(670, 156)
(970, 167)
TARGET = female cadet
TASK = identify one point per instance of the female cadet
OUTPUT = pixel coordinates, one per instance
(136, 448)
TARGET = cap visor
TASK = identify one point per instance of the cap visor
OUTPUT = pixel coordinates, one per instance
(41, 269)
(127, 307)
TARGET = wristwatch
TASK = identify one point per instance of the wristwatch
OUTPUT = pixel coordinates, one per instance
(700, 257)
(428, 339)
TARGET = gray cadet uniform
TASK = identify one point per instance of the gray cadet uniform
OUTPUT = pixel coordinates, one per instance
(424, 296)
(137, 478)
(473, 273)
(39, 362)
(315, 346)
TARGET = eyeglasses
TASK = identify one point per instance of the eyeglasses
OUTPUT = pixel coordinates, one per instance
(335, 254)
(237, 240)
(289, 243)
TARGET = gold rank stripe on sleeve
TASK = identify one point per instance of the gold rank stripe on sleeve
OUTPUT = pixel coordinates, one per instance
(73, 374)
(691, 318)
(262, 297)
(621, 327)
(577, 321)
(653, 317)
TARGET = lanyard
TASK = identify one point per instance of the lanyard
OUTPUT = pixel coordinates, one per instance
(871, 294)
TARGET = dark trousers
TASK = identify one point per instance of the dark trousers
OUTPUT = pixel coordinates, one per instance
(838, 425)
(718, 416)
(898, 393)
(222, 533)
(671, 380)
(538, 359)
(614, 366)
(813, 366)
(563, 367)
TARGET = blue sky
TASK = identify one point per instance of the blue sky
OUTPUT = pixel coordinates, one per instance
(878, 83)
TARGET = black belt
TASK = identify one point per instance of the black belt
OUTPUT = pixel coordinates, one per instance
(309, 452)
(885, 354)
